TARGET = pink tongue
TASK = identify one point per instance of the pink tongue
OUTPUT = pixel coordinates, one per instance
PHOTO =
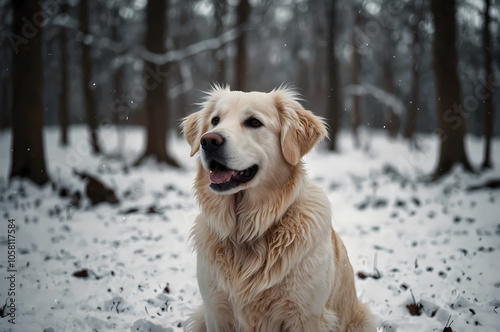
(217, 176)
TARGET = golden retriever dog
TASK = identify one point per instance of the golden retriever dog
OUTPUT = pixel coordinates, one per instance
(268, 258)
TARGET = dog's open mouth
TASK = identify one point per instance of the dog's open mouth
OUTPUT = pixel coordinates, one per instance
(223, 178)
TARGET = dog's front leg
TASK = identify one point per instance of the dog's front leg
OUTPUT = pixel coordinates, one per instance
(196, 321)
(209, 320)
(216, 313)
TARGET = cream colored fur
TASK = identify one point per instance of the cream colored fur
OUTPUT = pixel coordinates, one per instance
(268, 257)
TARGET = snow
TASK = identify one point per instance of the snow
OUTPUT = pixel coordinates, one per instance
(436, 242)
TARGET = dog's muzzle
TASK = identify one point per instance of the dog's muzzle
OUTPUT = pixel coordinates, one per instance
(222, 178)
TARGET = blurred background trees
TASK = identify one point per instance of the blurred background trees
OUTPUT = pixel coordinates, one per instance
(89, 99)
(489, 108)
(449, 93)
(27, 95)
(364, 65)
(155, 83)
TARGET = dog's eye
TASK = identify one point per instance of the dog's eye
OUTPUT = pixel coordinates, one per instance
(215, 120)
(253, 122)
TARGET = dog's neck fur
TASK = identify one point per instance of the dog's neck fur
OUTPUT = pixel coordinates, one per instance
(248, 214)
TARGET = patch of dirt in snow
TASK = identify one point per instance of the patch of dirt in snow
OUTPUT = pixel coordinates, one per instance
(426, 256)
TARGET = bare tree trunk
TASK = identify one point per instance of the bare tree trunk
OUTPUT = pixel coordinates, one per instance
(356, 73)
(315, 68)
(333, 103)
(243, 13)
(177, 69)
(63, 111)
(157, 106)
(488, 102)
(392, 122)
(411, 119)
(89, 100)
(118, 79)
(5, 100)
(219, 54)
(28, 160)
(451, 120)
(302, 65)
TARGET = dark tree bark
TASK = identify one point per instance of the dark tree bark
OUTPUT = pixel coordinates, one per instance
(392, 122)
(450, 115)
(157, 106)
(28, 160)
(243, 14)
(63, 111)
(5, 100)
(356, 73)
(314, 70)
(301, 61)
(488, 102)
(333, 102)
(219, 54)
(178, 69)
(411, 119)
(119, 71)
(118, 111)
(89, 98)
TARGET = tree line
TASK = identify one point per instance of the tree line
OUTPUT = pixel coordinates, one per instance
(400, 66)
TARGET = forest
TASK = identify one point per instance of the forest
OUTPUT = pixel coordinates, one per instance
(399, 66)
(95, 175)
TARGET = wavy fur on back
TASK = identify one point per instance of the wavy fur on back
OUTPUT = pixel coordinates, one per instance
(268, 257)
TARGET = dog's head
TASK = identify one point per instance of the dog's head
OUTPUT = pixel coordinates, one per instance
(250, 139)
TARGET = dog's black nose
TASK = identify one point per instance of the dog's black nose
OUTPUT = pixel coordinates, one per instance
(211, 141)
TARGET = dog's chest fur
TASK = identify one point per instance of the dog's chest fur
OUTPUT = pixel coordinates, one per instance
(264, 247)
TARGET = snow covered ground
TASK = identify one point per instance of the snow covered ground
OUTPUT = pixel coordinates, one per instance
(431, 248)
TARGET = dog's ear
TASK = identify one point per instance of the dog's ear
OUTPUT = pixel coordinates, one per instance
(301, 130)
(193, 127)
